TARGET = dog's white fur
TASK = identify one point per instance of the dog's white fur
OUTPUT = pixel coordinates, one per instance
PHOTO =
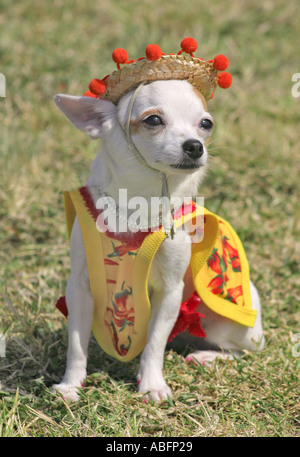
(182, 109)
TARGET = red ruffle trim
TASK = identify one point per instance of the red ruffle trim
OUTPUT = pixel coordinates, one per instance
(189, 318)
(62, 306)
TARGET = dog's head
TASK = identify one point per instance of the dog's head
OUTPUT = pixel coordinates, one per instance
(169, 124)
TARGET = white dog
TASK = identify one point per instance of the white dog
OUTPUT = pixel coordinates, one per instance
(170, 127)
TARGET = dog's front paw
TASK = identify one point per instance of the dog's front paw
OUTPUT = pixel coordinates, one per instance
(68, 392)
(154, 390)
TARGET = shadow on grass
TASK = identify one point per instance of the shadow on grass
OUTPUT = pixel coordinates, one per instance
(33, 363)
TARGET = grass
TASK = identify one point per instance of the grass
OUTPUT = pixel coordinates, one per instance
(49, 47)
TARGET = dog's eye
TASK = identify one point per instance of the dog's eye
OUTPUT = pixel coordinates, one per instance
(206, 124)
(153, 121)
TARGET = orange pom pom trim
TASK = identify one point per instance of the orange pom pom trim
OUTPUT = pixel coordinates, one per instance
(188, 45)
(153, 52)
(88, 93)
(224, 80)
(120, 55)
(97, 87)
(221, 62)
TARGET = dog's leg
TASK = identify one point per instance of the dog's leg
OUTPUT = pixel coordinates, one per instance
(166, 282)
(231, 337)
(80, 314)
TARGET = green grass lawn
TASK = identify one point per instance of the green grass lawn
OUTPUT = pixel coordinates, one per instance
(253, 181)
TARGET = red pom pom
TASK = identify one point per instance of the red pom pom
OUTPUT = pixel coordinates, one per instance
(88, 93)
(224, 80)
(97, 86)
(221, 62)
(189, 45)
(153, 52)
(120, 56)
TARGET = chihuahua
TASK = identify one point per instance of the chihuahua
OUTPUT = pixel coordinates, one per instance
(171, 128)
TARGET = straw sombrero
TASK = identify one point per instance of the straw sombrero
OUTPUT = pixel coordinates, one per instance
(204, 75)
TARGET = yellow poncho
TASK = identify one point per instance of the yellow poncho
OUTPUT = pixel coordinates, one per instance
(119, 267)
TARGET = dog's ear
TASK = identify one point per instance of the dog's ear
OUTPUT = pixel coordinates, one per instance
(86, 113)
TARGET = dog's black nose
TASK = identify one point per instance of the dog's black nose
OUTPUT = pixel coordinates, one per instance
(193, 148)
